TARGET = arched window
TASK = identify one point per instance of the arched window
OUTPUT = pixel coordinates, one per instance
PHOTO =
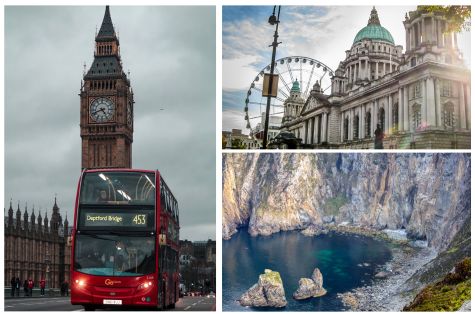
(448, 115)
(395, 117)
(345, 130)
(356, 127)
(368, 124)
(416, 115)
(381, 118)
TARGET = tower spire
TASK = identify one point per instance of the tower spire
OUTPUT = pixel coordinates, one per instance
(373, 18)
(107, 28)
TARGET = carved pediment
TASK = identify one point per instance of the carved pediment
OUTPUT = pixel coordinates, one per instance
(312, 104)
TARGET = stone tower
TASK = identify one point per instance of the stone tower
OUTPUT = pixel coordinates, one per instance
(107, 104)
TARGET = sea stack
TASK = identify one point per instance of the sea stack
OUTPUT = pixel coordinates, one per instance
(310, 288)
(268, 291)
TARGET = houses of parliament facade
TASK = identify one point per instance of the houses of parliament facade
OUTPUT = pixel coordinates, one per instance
(36, 247)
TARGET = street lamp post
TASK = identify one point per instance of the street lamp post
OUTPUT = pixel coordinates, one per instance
(273, 20)
(47, 263)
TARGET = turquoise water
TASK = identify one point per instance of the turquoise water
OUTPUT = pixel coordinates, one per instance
(346, 262)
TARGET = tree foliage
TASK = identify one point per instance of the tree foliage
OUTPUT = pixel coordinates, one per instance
(458, 16)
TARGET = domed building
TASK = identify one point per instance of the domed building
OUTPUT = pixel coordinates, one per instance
(419, 98)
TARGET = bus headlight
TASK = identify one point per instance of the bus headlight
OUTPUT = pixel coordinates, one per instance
(80, 282)
(145, 285)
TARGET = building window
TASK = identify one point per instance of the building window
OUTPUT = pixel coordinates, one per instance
(395, 116)
(345, 130)
(381, 118)
(413, 62)
(356, 127)
(446, 89)
(417, 89)
(368, 124)
(416, 116)
(448, 115)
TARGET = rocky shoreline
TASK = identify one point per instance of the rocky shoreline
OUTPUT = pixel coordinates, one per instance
(390, 293)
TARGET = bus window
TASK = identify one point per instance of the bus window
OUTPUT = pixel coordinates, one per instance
(118, 188)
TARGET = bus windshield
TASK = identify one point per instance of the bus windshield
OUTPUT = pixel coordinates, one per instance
(114, 255)
(118, 188)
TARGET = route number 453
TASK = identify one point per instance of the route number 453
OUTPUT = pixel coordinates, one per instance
(139, 219)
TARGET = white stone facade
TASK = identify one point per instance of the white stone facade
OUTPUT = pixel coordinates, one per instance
(420, 99)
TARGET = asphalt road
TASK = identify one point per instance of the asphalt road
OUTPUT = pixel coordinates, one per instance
(63, 304)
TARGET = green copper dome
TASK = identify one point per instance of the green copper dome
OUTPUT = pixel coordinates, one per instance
(374, 30)
(295, 87)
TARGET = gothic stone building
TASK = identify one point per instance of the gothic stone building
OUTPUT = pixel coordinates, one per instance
(37, 248)
(420, 98)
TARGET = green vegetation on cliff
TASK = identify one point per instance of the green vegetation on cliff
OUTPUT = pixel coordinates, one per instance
(446, 295)
(332, 205)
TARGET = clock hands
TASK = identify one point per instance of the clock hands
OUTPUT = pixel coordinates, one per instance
(102, 109)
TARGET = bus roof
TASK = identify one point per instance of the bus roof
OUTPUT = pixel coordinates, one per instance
(118, 170)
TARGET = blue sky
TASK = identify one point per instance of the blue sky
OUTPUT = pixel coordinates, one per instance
(322, 33)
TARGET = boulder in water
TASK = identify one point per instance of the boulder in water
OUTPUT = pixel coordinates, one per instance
(269, 291)
(309, 288)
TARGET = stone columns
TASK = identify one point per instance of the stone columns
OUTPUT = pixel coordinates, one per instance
(390, 114)
(368, 69)
(408, 46)
(468, 101)
(374, 117)
(324, 126)
(400, 110)
(423, 31)
(438, 105)
(386, 118)
(463, 119)
(354, 73)
(430, 102)
(424, 103)
(350, 126)
(377, 70)
(406, 108)
(317, 128)
(305, 141)
(384, 68)
(361, 120)
(342, 128)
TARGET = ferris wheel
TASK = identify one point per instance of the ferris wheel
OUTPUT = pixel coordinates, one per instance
(303, 69)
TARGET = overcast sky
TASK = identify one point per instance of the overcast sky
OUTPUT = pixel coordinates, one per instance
(170, 52)
(322, 33)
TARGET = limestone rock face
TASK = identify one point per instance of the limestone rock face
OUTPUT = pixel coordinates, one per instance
(427, 195)
(269, 291)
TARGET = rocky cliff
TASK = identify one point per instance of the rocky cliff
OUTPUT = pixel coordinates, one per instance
(428, 195)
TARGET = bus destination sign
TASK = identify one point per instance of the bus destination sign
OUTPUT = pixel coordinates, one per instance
(111, 219)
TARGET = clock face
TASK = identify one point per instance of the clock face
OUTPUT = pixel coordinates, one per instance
(129, 114)
(102, 110)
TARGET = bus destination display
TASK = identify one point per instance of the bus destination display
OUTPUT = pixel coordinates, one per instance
(135, 219)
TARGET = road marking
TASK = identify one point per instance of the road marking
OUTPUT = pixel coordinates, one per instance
(186, 308)
(81, 310)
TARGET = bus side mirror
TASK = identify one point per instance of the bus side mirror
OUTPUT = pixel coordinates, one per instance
(162, 239)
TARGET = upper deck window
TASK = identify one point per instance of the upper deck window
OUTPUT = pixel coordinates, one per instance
(128, 188)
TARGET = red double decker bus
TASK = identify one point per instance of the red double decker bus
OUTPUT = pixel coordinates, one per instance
(125, 240)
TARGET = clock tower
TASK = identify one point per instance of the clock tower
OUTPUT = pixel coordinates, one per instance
(107, 104)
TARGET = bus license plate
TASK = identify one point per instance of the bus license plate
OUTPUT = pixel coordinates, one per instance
(112, 302)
